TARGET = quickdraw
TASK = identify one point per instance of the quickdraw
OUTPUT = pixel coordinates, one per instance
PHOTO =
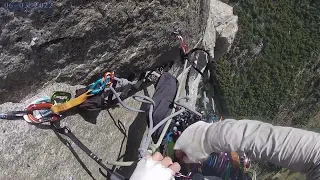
(183, 44)
(47, 108)
(58, 108)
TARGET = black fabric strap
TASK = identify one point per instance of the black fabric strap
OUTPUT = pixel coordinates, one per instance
(67, 132)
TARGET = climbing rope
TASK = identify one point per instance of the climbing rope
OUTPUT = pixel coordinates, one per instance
(122, 103)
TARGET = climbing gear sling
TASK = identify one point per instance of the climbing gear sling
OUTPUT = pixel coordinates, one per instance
(105, 81)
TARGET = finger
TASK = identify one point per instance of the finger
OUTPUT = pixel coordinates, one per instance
(157, 156)
(166, 162)
(175, 167)
(148, 156)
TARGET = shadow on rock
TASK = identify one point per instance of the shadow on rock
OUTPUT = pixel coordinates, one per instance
(74, 153)
(58, 132)
(65, 131)
(135, 135)
(89, 116)
(123, 130)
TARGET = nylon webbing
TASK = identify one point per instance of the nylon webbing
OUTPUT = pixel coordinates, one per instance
(70, 104)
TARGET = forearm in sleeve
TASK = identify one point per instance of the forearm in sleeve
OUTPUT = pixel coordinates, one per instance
(298, 150)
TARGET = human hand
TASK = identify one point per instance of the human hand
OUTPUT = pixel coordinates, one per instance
(156, 168)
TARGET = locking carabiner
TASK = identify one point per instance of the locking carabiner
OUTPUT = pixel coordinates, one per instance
(111, 75)
(105, 81)
(41, 106)
(94, 91)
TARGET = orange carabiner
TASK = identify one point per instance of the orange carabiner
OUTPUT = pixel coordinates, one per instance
(41, 106)
(111, 75)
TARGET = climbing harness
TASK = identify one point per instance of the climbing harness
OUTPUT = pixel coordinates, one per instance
(223, 165)
(226, 165)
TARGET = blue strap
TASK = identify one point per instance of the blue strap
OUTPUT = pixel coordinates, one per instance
(211, 160)
(168, 136)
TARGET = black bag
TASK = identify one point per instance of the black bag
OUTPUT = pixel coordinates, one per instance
(164, 96)
(93, 103)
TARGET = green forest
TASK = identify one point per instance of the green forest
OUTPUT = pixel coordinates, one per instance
(272, 71)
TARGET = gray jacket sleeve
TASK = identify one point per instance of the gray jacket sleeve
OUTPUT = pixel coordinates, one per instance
(295, 149)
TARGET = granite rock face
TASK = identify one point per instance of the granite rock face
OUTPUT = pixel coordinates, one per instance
(222, 26)
(74, 41)
(71, 44)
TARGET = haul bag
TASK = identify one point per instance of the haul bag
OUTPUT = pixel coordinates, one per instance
(93, 103)
(164, 96)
